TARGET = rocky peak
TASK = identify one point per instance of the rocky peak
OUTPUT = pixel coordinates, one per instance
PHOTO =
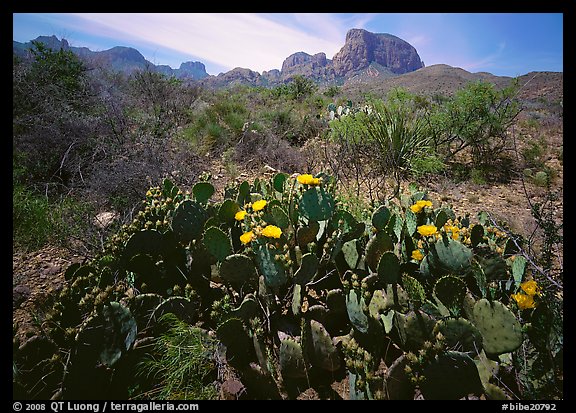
(302, 58)
(363, 47)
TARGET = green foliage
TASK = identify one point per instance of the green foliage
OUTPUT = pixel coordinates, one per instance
(183, 364)
(281, 258)
(476, 118)
(37, 221)
(387, 135)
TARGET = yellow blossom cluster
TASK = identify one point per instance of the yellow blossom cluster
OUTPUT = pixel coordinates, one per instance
(526, 300)
(307, 179)
(426, 230)
(453, 229)
(420, 205)
(417, 255)
(269, 231)
(256, 206)
(240, 215)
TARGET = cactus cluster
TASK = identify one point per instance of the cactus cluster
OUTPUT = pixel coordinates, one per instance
(296, 289)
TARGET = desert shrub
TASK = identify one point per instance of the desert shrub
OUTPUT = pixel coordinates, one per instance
(53, 117)
(256, 149)
(385, 136)
(475, 120)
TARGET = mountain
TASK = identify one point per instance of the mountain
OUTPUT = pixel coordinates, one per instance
(376, 62)
(364, 53)
(119, 58)
(363, 48)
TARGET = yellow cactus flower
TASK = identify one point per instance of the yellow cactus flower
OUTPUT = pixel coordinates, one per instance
(426, 230)
(272, 231)
(530, 287)
(452, 229)
(259, 205)
(307, 179)
(420, 205)
(417, 255)
(247, 237)
(524, 301)
(240, 215)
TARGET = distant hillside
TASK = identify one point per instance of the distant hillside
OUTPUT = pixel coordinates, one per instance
(445, 80)
(374, 62)
(119, 58)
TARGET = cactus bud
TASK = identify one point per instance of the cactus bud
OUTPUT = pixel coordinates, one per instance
(411, 357)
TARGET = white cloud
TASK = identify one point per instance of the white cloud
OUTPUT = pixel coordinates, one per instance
(229, 40)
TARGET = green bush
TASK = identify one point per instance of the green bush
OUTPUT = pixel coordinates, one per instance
(476, 120)
(182, 365)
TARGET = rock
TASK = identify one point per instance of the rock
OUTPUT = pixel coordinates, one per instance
(20, 293)
(301, 63)
(236, 76)
(51, 270)
(363, 47)
(104, 219)
(232, 389)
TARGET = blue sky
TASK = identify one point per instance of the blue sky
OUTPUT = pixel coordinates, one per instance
(504, 44)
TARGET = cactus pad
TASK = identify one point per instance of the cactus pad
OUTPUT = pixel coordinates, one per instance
(203, 191)
(188, 221)
(377, 246)
(325, 354)
(238, 269)
(358, 318)
(451, 376)
(450, 291)
(501, 331)
(460, 334)
(316, 204)
(292, 364)
(217, 243)
(272, 270)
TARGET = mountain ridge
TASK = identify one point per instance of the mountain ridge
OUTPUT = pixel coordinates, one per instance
(360, 50)
(362, 63)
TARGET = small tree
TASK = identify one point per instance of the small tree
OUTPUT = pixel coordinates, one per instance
(301, 87)
(476, 119)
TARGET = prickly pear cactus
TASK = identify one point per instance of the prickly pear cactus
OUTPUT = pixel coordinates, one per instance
(451, 291)
(217, 243)
(449, 257)
(460, 334)
(501, 331)
(414, 329)
(380, 217)
(188, 221)
(354, 306)
(389, 268)
(451, 376)
(316, 204)
(307, 270)
(376, 247)
(203, 191)
(238, 269)
(324, 353)
(271, 268)
(292, 364)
